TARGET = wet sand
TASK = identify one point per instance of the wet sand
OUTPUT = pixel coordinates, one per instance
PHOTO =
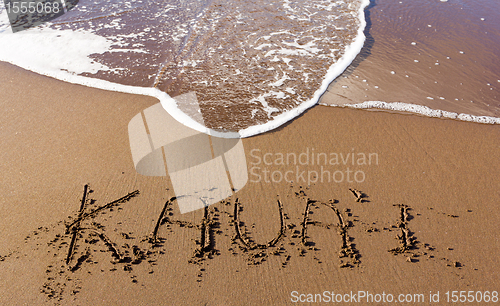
(423, 219)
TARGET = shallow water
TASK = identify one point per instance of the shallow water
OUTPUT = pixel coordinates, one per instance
(444, 55)
(247, 61)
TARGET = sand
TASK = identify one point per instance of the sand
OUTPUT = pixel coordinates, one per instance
(424, 217)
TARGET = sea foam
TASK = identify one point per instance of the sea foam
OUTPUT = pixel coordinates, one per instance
(78, 55)
(421, 110)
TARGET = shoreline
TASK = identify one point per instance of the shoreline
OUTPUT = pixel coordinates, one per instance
(31, 62)
(417, 55)
(436, 177)
(417, 96)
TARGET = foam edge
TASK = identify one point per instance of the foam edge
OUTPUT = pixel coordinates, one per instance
(421, 110)
(333, 72)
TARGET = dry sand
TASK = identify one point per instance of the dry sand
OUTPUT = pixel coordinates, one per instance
(425, 218)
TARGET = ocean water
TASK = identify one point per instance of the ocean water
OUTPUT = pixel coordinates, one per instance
(255, 65)
(439, 59)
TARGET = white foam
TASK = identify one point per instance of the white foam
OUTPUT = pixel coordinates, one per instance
(422, 110)
(52, 50)
(31, 48)
(307, 47)
(262, 100)
(280, 81)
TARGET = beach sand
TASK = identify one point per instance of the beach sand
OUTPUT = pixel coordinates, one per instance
(426, 219)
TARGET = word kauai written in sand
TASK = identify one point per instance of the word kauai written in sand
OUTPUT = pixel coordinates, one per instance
(309, 167)
(96, 239)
